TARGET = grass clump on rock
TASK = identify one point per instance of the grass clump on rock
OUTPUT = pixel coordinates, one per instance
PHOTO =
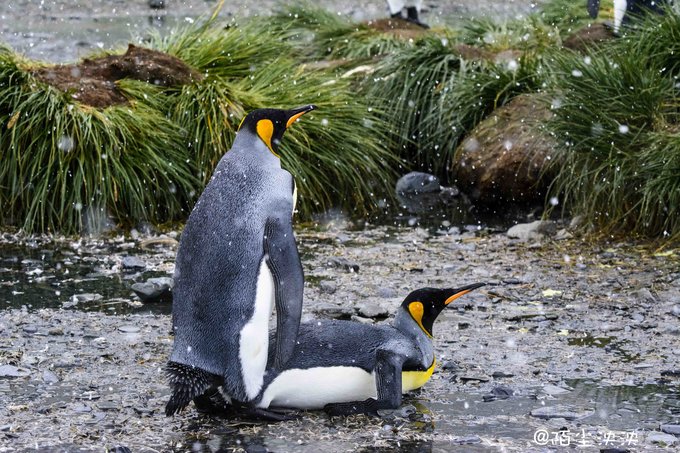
(617, 124)
(99, 141)
(437, 91)
(68, 167)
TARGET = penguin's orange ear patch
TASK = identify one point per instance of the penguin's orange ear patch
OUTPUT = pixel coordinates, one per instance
(265, 130)
(417, 311)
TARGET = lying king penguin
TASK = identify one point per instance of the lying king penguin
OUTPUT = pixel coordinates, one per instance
(347, 367)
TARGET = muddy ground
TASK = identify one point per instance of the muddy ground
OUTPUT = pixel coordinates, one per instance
(573, 340)
(66, 30)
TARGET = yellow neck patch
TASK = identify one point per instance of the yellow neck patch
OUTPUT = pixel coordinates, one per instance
(417, 310)
(265, 130)
(411, 380)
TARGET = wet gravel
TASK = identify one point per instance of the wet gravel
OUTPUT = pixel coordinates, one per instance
(66, 30)
(574, 339)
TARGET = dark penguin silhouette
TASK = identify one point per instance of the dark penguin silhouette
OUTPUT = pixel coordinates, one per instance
(348, 367)
(236, 259)
(624, 10)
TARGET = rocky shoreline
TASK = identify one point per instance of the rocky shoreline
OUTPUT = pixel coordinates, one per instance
(568, 335)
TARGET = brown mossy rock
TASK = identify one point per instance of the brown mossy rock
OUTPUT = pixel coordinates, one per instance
(588, 37)
(503, 159)
(93, 81)
(399, 28)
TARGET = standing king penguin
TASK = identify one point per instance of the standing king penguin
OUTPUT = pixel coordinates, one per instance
(348, 367)
(237, 258)
(625, 9)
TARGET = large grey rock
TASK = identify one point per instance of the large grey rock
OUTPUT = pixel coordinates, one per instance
(417, 182)
(157, 289)
(505, 157)
(532, 231)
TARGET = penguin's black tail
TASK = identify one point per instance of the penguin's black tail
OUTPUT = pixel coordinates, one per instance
(187, 382)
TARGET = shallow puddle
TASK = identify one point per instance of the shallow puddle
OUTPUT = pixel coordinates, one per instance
(55, 277)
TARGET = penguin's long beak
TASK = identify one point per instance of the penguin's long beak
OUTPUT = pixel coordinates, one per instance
(294, 114)
(462, 291)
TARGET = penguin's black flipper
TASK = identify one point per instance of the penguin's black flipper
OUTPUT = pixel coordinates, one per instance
(388, 385)
(283, 260)
(593, 8)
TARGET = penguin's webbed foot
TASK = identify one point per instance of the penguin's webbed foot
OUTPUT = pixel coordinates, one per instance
(241, 411)
(270, 415)
(367, 407)
(211, 402)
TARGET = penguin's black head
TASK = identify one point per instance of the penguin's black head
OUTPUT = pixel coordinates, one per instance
(425, 304)
(270, 124)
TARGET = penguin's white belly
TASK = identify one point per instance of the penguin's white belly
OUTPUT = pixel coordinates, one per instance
(254, 340)
(313, 388)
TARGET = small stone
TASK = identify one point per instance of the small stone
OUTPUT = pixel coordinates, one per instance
(87, 297)
(500, 392)
(49, 377)
(128, 329)
(334, 311)
(133, 263)
(157, 289)
(450, 365)
(405, 411)
(663, 439)
(671, 429)
(81, 408)
(416, 183)
(344, 264)
(576, 222)
(327, 287)
(467, 440)
(532, 231)
(107, 406)
(553, 390)
(644, 295)
(157, 4)
(501, 374)
(55, 331)
(143, 410)
(372, 310)
(548, 412)
(13, 371)
(30, 329)
(563, 234)
(474, 377)
(386, 292)
(670, 373)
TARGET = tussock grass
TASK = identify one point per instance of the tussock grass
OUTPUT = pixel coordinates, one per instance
(64, 165)
(337, 154)
(617, 123)
(437, 97)
(568, 16)
(320, 34)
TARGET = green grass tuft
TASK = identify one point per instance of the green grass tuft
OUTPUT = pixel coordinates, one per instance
(336, 154)
(64, 165)
(436, 97)
(617, 123)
